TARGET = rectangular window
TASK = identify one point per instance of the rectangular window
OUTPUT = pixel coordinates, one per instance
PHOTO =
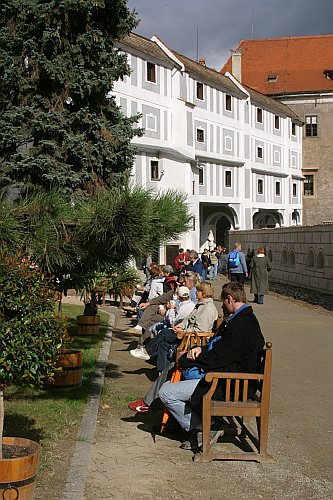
(154, 170)
(277, 188)
(151, 72)
(200, 135)
(200, 91)
(228, 102)
(277, 122)
(294, 189)
(193, 187)
(201, 176)
(260, 186)
(259, 152)
(311, 126)
(227, 179)
(293, 129)
(259, 115)
(193, 224)
(309, 185)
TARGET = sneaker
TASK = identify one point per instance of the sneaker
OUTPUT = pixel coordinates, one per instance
(129, 309)
(139, 406)
(140, 353)
(134, 331)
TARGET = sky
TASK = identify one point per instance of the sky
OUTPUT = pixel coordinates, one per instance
(210, 28)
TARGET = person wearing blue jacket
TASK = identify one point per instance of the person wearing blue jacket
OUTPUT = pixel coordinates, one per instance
(237, 272)
(196, 264)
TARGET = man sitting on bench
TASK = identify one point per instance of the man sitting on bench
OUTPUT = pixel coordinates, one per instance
(236, 350)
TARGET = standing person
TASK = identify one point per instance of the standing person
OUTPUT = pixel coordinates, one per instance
(196, 265)
(214, 261)
(259, 269)
(205, 259)
(180, 261)
(237, 268)
(147, 266)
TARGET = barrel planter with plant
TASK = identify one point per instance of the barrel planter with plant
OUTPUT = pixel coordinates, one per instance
(70, 375)
(18, 468)
(31, 337)
(88, 325)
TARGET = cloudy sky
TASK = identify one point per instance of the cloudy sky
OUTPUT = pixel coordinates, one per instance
(221, 24)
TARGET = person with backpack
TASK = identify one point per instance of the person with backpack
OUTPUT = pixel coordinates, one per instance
(236, 265)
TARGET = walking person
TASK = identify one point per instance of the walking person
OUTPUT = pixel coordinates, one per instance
(214, 261)
(259, 269)
(236, 265)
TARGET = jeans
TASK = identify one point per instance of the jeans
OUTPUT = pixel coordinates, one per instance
(160, 345)
(204, 274)
(213, 272)
(176, 397)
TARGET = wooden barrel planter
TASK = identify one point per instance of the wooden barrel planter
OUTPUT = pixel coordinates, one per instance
(18, 474)
(88, 325)
(71, 374)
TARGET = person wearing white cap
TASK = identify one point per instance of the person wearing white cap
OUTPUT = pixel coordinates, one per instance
(201, 318)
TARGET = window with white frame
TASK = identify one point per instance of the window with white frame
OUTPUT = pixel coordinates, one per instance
(228, 143)
(151, 72)
(294, 189)
(260, 186)
(277, 188)
(200, 91)
(201, 176)
(277, 122)
(228, 102)
(227, 178)
(260, 153)
(259, 115)
(151, 122)
(200, 135)
(154, 170)
(311, 126)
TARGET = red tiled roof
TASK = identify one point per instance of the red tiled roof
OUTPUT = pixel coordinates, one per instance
(298, 62)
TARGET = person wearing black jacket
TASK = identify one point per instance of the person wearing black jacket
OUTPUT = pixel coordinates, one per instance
(234, 349)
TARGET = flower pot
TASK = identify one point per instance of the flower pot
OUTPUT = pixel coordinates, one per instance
(71, 374)
(18, 475)
(88, 325)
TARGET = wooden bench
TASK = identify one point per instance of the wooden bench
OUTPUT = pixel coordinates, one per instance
(237, 408)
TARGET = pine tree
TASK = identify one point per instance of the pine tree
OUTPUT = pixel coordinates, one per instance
(58, 62)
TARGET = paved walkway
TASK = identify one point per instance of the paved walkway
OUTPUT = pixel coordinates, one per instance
(127, 463)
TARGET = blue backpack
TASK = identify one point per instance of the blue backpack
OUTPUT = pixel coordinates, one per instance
(233, 260)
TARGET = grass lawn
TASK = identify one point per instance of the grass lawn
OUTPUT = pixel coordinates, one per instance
(49, 416)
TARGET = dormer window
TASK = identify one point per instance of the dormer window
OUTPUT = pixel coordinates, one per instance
(151, 72)
(272, 78)
(228, 102)
(200, 91)
(259, 115)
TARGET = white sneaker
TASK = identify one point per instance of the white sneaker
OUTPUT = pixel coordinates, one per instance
(140, 353)
(137, 327)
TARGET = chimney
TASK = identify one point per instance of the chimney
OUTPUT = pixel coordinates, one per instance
(202, 61)
(236, 63)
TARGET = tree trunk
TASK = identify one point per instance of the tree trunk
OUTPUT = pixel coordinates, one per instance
(2, 416)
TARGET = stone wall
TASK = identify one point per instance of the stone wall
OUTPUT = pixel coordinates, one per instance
(301, 256)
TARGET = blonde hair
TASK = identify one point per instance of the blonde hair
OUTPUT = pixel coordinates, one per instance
(206, 289)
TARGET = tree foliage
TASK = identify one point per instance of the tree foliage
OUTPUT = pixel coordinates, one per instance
(58, 63)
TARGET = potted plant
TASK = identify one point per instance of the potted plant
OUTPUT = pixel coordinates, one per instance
(31, 337)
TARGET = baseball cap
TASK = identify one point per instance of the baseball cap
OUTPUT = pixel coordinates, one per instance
(183, 292)
(167, 269)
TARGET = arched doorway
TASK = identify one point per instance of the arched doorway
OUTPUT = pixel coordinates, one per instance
(222, 231)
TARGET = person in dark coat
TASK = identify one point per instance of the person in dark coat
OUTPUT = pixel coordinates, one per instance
(234, 349)
(259, 268)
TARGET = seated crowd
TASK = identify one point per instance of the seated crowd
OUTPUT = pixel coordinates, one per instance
(167, 309)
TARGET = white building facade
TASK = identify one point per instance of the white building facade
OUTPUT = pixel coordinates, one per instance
(235, 152)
